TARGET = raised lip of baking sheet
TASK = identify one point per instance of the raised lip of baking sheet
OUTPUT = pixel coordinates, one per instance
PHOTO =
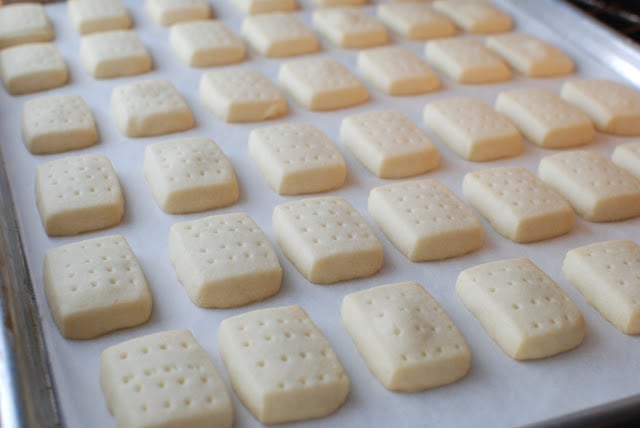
(26, 388)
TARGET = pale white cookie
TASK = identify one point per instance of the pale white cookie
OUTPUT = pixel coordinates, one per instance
(241, 95)
(415, 21)
(32, 67)
(78, 194)
(350, 27)
(613, 107)
(475, 16)
(339, 3)
(606, 273)
(545, 118)
(224, 261)
(327, 240)
(95, 286)
(425, 220)
(24, 23)
(407, 340)
(114, 54)
(281, 366)
(162, 380)
(189, 175)
(253, 7)
(466, 60)
(297, 159)
(92, 16)
(169, 12)
(279, 35)
(57, 123)
(389, 144)
(521, 308)
(322, 84)
(519, 205)
(530, 55)
(146, 108)
(396, 70)
(627, 156)
(206, 43)
(596, 188)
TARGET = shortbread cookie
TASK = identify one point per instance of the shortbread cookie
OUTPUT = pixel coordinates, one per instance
(466, 60)
(297, 159)
(475, 16)
(206, 43)
(327, 239)
(281, 365)
(57, 123)
(241, 95)
(114, 54)
(627, 156)
(407, 340)
(189, 175)
(425, 220)
(322, 84)
(78, 194)
(613, 107)
(606, 273)
(339, 3)
(224, 261)
(253, 7)
(95, 286)
(92, 16)
(32, 67)
(24, 23)
(521, 308)
(519, 205)
(350, 27)
(146, 108)
(530, 55)
(545, 118)
(415, 21)
(164, 379)
(169, 12)
(389, 144)
(279, 35)
(596, 188)
(396, 71)
(472, 129)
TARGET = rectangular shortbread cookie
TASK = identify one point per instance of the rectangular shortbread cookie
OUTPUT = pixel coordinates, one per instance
(57, 123)
(322, 84)
(206, 43)
(78, 194)
(545, 118)
(327, 240)
(95, 286)
(114, 54)
(521, 308)
(92, 16)
(475, 16)
(472, 129)
(606, 273)
(146, 108)
(425, 220)
(350, 27)
(519, 205)
(596, 188)
(241, 95)
(389, 144)
(627, 156)
(530, 55)
(297, 159)
(164, 379)
(32, 67)
(339, 3)
(189, 175)
(407, 340)
(279, 35)
(24, 23)
(224, 261)
(281, 365)
(613, 107)
(253, 7)
(466, 60)
(397, 71)
(415, 21)
(169, 12)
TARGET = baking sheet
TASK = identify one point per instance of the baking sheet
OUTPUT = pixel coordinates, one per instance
(498, 391)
